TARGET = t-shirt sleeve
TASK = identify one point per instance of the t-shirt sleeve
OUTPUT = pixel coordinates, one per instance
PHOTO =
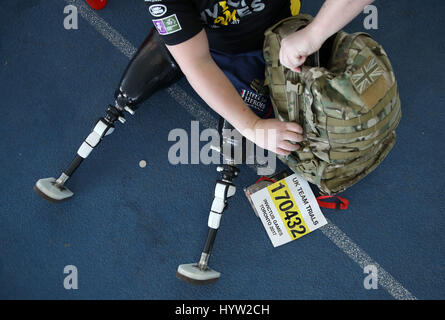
(175, 20)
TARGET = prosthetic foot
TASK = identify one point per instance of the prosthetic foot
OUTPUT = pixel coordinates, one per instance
(151, 69)
(200, 273)
(232, 150)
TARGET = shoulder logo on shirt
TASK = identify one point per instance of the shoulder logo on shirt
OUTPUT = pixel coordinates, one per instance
(167, 25)
(157, 10)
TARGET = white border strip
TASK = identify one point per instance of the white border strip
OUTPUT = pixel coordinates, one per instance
(104, 28)
(353, 251)
(338, 237)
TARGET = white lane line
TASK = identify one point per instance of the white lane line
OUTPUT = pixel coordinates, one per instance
(192, 106)
(104, 28)
(338, 237)
(353, 251)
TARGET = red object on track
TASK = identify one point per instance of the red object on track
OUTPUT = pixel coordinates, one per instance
(342, 203)
(97, 4)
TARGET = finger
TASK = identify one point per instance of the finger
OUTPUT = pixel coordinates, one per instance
(300, 60)
(286, 145)
(292, 136)
(289, 60)
(297, 62)
(286, 62)
(294, 59)
(294, 127)
(285, 58)
(282, 152)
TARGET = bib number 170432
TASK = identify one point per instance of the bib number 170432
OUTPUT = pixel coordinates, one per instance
(288, 210)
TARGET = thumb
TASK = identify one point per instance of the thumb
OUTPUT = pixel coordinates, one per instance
(298, 62)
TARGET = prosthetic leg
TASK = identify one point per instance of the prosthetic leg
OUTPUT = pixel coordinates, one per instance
(200, 273)
(151, 69)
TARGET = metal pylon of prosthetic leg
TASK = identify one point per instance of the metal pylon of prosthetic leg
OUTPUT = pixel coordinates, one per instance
(224, 190)
(200, 273)
(54, 190)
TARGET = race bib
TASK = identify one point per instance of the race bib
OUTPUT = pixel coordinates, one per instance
(288, 209)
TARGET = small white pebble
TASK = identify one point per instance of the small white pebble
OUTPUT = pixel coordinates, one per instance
(142, 163)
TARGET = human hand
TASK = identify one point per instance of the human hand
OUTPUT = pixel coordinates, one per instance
(276, 135)
(297, 46)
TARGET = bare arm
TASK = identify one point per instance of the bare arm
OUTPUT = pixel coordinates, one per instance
(217, 91)
(210, 82)
(334, 15)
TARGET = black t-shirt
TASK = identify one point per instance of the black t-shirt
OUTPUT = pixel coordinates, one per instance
(231, 26)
